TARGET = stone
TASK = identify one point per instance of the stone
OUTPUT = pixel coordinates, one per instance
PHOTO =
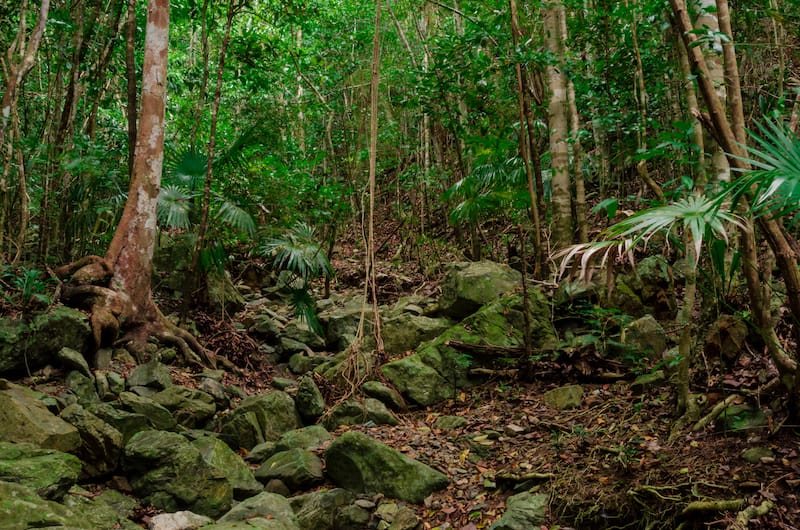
(318, 509)
(288, 346)
(742, 418)
(276, 485)
(51, 473)
(103, 387)
(283, 383)
(160, 418)
(28, 345)
(274, 413)
(469, 285)
(217, 453)
(564, 397)
(183, 520)
(341, 323)
(96, 512)
(101, 444)
(297, 468)
(216, 390)
(301, 363)
(358, 463)
(389, 396)
(646, 338)
(406, 331)
(190, 408)
(352, 516)
(116, 382)
(82, 387)
(261, 452)
(21, 508)
(127, 423)
(754, 455)
(298, 330)
(397, 517)
(265, 505)
(417, 381)
(151, 374)
(355, 412)
(74, 360)
(309, 438)
(222, 293)
(168, 472)
(523, 511)
(449, 423)
(726, 337)
(24, 418)
(309, 401)
(102, 358)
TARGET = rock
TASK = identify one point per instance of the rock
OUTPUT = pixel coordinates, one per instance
(318, 509)
(417, 381)
(160, 418)
(469, 285)
(301, 363)
(127, 423)
(355, 412)
(116, 383)
(296, 468)
(216, 390)
(222, 293)
(352, 516)
(299, 331)
(217, 453)
(168, 472)
(103, 387)
(152, 374)
(406, 331)
(277, 486)
(261, 452)
(74, 360)
(96, 512)
(646, 338)
(101, 444)
(754, 455)
(28, 345)
(24, 418)
(309, 438)
(189, 407)
(183, 520)
(396, 517)
(274, 413)
(438, 370)
(523, 512)
(356, 462)
(726, 337)
(564, 397)
(341, 323)
(21, 508)
(264, 505)
(449, 423)
(389, 396)
(283, 383)
(743, 418)
(309, 401)
(647, 290)
(51, 473)
(288, 347)
(82, 388)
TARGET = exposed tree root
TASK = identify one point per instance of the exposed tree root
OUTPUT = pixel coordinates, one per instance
(111, 311)
(751, 512)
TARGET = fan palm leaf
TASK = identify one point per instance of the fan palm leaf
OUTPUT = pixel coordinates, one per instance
(175, 206)
(235, 216)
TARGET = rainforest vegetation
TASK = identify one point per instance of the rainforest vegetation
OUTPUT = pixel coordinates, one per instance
(626, 171)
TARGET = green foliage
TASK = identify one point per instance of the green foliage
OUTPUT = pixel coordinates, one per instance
(28, 287)
(298, 253)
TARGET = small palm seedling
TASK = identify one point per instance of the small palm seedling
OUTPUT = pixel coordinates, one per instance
(298, 253)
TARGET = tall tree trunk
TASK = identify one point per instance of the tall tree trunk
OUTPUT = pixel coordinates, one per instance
(130, 73)
(557, 121)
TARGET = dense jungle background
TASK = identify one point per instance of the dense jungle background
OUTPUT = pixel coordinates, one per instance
(400, 264)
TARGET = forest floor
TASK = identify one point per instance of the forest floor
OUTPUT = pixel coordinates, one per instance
(611, 463)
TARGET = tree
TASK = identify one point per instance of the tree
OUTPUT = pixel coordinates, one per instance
(117, 287)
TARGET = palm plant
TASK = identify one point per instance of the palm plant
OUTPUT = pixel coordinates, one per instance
(298, 253)
(699, 218)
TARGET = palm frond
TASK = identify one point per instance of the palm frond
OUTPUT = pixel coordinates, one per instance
(297, 251)
(174, 207)
(235, 216)
(305, 309)
(188, 167)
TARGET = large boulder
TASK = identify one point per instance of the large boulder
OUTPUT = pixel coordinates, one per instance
(523, 511)
(110, 509)
(22, 508)
(170, 473)
(356, 412)
(469, 285)
(217, 453)
(127, 423)
(258, 419)
(406, 331)
(647, 290)
(318, 509)
(50, 473)
(439, 369)
(296, 468)
(190, 408)
(151, 374)
(158, 417)
(101, 444)
(24, 418)
(358, 463)
(27, 345)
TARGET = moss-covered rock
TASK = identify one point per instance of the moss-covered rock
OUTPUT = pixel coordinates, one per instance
(297, 468)
(217, 453)
(469, 285)
(50, 473)
(101, 444)
(358, 463)
(25, 418)
(190, 408)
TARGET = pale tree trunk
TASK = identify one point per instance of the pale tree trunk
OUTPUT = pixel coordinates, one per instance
(125, 301)
(690, 94)
(130, 74)
(20, 58)
(559, 128)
